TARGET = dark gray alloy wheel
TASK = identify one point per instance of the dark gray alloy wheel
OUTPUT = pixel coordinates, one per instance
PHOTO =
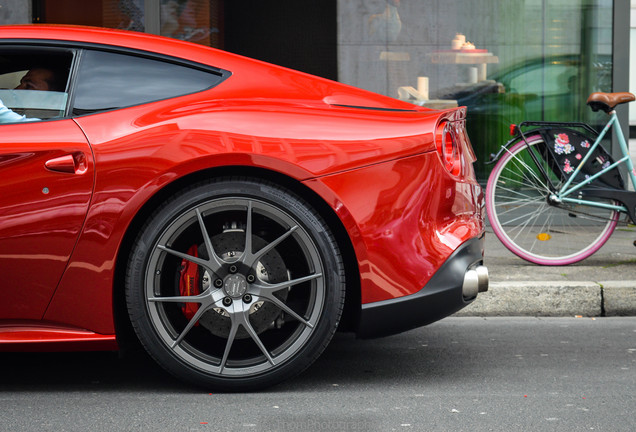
(235, 284)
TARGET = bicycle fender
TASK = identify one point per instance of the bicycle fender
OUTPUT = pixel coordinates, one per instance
(494, 157)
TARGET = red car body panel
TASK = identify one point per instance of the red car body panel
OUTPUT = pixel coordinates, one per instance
(39, 227)
(378, 169)
(396, 210)
(43, 336)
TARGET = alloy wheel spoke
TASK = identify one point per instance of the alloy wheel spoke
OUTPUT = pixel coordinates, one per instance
(244, 257)
(255, 257)
(289, 311)
(191, 324)
(213, 264)
(250, 330)
(185, 256)
(250, 258)
(199, 298)
(265, 287)
(213, 257)
(228, 344)
(240, 316)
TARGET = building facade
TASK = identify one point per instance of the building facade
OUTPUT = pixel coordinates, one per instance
(506, 61)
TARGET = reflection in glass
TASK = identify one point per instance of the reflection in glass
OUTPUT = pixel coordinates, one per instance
(131, 14)
(119, 14)
(192, 20)
(108, 81)
(518, 60)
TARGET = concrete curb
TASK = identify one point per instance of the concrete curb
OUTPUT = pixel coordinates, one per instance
(555, 298)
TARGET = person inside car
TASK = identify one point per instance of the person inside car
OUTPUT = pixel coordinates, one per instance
(37, 78)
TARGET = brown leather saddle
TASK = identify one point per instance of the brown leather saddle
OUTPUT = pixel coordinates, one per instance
(608, 101)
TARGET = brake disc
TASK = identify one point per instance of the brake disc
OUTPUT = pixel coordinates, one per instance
(270, 268)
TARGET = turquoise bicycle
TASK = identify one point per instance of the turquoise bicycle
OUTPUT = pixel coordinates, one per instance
(555, 195)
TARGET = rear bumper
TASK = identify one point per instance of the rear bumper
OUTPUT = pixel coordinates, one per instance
(443, 295)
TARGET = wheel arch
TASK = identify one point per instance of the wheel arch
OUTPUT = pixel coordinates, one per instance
(125, 334)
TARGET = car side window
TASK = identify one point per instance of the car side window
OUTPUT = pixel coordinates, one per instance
(33, 83)
(108, 80)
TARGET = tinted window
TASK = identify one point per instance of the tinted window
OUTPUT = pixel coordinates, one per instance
(108, 80)
(33, 82)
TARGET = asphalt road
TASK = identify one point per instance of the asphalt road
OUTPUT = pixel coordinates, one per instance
(461, 374)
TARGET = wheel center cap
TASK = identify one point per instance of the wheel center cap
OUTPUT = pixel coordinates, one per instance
(235, 286)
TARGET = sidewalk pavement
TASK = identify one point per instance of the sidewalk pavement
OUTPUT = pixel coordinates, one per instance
(602, 285)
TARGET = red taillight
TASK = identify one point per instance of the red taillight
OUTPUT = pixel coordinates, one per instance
(448, 149)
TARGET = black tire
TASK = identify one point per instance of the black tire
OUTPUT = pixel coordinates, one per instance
(253, 316)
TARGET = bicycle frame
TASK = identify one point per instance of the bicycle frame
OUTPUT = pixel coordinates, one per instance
(563, 194)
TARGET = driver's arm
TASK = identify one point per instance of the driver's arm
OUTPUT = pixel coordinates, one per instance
(8, 116)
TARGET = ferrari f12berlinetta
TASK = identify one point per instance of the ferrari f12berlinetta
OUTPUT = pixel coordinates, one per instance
(228, 214)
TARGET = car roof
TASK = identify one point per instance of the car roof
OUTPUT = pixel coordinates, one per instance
(112, 37)
(263, 79)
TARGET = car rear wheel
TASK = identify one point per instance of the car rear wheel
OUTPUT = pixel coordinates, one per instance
(235, 284)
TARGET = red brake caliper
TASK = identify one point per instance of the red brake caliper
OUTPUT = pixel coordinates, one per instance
(189, 283)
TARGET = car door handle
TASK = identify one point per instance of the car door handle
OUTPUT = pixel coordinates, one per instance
(74, 163)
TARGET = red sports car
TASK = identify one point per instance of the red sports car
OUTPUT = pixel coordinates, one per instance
(227, 213)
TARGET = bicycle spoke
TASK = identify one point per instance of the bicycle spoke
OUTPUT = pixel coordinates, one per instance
(519, 192)
(526, 200)
(520, 217)
(529, 170)
(513, 180)
(542, 230)
(531, 218)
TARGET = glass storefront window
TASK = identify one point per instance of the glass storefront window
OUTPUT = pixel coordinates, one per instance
(123, 14)
(15, 12)
(196, 21)
(506, 61)
(118, 14)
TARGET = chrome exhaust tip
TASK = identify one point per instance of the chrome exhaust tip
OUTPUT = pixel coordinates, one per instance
(475, 281)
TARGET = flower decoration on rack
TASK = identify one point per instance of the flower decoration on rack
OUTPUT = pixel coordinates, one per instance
(562, 144)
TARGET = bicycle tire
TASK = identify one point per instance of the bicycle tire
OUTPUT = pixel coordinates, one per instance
(532, 227)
